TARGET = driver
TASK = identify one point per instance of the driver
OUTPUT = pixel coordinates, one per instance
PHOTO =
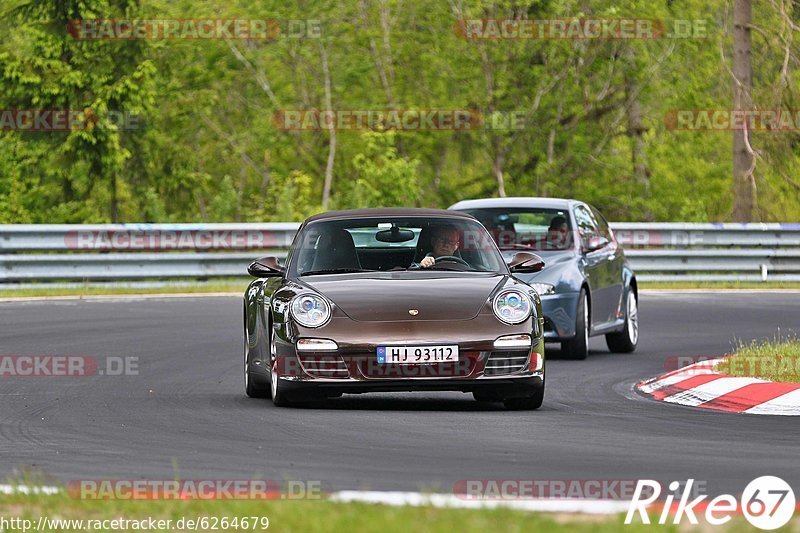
(558, 232)
(444, 242)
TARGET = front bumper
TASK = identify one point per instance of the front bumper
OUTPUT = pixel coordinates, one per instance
(506, 387)
(559, 315)
(353, 367)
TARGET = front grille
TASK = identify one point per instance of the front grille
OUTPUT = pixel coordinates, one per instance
(506, 362)
(324, 366)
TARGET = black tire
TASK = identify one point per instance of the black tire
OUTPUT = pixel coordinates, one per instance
(625, 341)
(277, 385)
(254, 386)
(486, 397)
(278, 390)
(578, 346)
(529, 403)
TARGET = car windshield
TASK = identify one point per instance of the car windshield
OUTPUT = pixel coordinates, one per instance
(528, 228)
(393, 244)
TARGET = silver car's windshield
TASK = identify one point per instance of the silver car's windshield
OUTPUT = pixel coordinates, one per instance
(528, 228)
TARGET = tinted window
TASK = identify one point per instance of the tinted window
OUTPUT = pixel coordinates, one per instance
(528, 228)
(602, 225)
(587, 227)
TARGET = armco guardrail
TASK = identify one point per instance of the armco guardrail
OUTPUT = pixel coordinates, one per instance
(657, 251)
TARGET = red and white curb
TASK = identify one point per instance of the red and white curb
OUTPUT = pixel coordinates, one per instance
(700, 385)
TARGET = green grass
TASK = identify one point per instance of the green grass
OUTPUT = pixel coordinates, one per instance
(325, 516)
(238, 286)
(775, 360)
(720, 285)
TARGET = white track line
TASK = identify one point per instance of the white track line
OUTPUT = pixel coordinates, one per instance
(417, 499)
(450, 500)
(24, 489)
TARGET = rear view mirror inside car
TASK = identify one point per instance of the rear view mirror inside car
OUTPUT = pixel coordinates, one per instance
(395, 234)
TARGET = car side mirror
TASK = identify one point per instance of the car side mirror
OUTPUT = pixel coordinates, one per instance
(594, 243)
(525, 262)
(266, 267)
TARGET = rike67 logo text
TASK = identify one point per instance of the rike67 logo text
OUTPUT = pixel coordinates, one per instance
(767, 502)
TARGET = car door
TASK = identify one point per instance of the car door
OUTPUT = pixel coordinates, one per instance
(596, 267)
(616, 265)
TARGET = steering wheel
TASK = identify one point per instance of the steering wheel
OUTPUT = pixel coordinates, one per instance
(453, 259)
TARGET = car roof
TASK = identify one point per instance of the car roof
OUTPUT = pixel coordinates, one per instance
(518, 201)
(389, 212)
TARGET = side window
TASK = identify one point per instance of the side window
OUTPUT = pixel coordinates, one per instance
(587, 227)
(602, 225)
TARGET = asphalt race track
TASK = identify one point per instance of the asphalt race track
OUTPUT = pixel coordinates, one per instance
(185, 412)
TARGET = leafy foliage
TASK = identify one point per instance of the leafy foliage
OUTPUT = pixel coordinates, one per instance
(205, 146)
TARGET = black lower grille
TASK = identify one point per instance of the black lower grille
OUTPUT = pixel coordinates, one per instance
(324, 366)
(506, 362)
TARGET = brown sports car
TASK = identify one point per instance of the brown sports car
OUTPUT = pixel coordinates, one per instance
(394, 300)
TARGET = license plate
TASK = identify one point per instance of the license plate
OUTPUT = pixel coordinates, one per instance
(415, 355)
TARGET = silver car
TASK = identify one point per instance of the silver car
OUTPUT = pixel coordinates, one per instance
(587, 286)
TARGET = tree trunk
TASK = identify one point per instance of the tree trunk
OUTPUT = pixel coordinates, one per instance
(498, 163)
(744, 185)
(326, 189)
(636, 127)
(114, 199)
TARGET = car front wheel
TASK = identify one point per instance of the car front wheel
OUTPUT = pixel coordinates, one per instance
(625, 341)
(253, 386)
(277, 385)
(578, 346)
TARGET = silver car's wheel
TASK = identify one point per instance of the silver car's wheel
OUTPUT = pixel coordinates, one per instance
(625, 341)
(633, 320)
(578, 346)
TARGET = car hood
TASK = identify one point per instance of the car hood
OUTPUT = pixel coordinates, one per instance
(389, 296)
(552, 259)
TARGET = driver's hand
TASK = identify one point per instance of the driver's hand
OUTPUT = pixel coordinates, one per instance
(427, 262)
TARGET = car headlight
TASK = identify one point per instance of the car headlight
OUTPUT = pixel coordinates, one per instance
(310, 310)
(543, 288)
(512, 306)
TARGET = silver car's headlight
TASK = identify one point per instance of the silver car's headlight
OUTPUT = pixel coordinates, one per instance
(310, 310)
(512, 306)
(543, 288)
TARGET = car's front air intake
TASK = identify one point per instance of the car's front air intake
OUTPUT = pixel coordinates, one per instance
(324, 366)
(506, 362)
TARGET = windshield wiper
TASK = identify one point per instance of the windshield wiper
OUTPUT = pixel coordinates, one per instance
(335, 271)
